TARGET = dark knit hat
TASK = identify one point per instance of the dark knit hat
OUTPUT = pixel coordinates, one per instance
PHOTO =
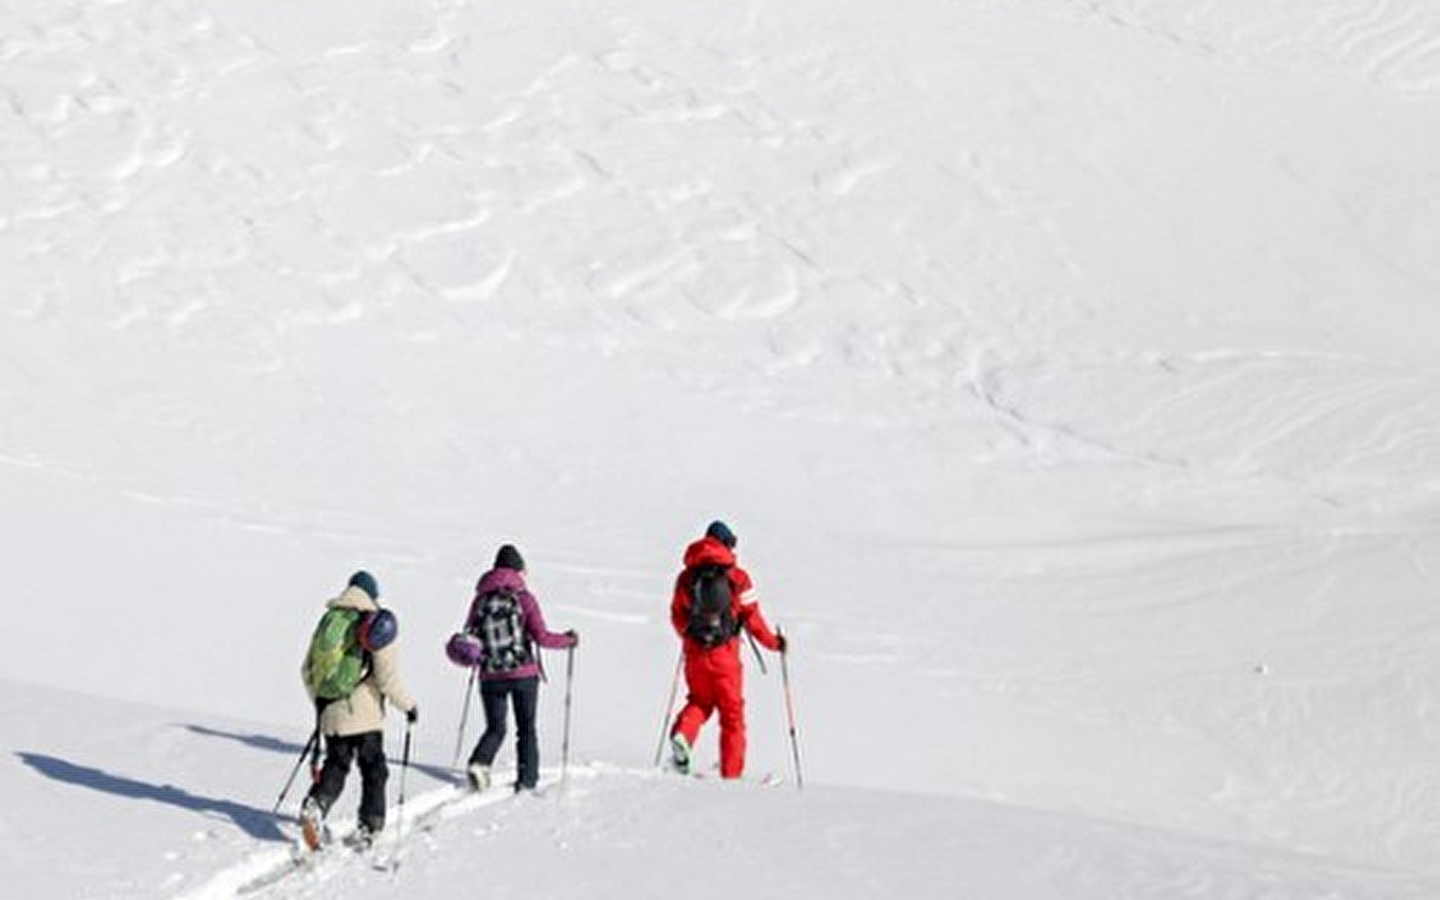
(365, 582)
(509, 558)
(722, 533)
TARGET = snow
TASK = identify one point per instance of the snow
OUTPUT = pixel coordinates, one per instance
(1067, 369)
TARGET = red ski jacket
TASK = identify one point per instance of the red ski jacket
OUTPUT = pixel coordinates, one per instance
(708, 551)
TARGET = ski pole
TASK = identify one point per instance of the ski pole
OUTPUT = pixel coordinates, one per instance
(464, 717)
(790, 713)
(400, 805)
(314, 738)
(565, 744)
(669, 706)
(758, 658)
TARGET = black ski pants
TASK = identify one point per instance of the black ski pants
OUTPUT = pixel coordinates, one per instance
(524, 695)
(368, 750)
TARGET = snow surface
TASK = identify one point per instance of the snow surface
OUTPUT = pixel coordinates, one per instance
(1067, 368)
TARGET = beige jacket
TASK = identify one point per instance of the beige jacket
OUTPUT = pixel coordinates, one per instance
(364, 710)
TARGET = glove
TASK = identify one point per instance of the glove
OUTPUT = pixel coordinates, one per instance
(574, 637)
(781, 643)
(413, 715)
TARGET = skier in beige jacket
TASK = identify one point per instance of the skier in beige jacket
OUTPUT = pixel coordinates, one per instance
(354, 726)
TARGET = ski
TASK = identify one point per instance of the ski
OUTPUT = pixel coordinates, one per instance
(298, 861)
(301, 859)
(386, 852)
(766, 779)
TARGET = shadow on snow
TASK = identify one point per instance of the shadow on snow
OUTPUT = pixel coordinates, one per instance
(442, 774)
(257, 823)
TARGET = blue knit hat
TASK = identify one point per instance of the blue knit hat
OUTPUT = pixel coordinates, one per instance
(365, 582)
(722, 533)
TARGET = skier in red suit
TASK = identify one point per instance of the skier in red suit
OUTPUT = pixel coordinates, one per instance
(713, 602)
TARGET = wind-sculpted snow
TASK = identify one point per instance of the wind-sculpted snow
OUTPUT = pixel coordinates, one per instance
(1392, 43)
(1067, 369)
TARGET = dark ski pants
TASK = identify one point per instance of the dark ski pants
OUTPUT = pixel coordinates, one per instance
(524, 694)
(368, 750)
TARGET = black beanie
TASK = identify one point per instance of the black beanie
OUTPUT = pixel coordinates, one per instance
(722, 533)
(365, 582)
(509, 558)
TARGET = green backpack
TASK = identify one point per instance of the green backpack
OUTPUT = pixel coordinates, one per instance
(336, 663)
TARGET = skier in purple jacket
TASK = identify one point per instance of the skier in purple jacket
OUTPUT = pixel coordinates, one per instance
(507, 619)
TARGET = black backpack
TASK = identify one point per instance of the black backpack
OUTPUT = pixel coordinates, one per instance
(712, 609)
(500, 626)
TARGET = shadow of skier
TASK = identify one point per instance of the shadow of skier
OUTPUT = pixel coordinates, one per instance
(443, 774)
(257, 823)
(258, 741)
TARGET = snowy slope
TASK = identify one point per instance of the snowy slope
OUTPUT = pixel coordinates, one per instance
(168, 806)
(1068, 370)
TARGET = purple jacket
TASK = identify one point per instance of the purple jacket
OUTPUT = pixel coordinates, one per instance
(498, 579)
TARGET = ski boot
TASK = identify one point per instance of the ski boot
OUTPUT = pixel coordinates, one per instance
(680, 759)
(312, 824)
(478, 776)
(362, 838)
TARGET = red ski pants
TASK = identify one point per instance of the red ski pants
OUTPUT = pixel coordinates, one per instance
(716, 682)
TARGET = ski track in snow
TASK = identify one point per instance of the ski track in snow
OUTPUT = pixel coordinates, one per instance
(251, 877)
(1091, 858)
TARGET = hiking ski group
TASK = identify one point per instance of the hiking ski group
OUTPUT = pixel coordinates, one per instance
(351, 674)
